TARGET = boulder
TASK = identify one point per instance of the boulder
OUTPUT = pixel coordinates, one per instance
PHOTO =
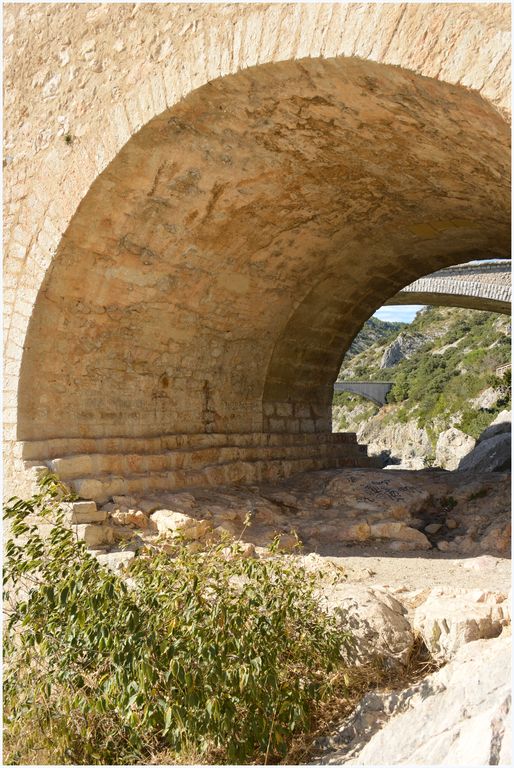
(452, 445)
(390, 529)
(502, 423)
(116, 561)
(173, 523)
(491, 455)
(446, 621)
(459, 715)
(132, 517)
(377, 621)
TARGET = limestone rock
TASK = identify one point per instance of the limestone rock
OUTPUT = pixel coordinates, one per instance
(288, 542)
(502, 423)
(497, 538)
(94, 535)
(486, 399)
(402, 347)
(116, 561)
(400, 532)
(177, 523)
(77, 512)
(448, 621)
(377, 621)
(459, 715)
(407, 443)
(356, 532)
(225, 528)
(433, 527)
(491, 455)
(132, 517)
(451, 446)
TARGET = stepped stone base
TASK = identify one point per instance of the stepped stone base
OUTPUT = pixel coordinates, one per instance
(100, 469)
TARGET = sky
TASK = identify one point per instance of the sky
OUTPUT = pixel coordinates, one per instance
(398, 313)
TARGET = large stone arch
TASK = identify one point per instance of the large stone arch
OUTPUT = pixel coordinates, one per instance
(58, 189)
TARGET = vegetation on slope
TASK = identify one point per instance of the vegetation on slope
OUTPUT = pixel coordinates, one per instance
(436, 385)
(373, 331)
(194, 658)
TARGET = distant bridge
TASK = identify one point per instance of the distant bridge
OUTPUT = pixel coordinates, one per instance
(372, 390)
(473, 286)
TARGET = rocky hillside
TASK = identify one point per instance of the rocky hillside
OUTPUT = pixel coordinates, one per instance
(445, 388)
(373, 332)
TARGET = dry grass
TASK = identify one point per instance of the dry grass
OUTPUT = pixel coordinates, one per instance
(353, 685)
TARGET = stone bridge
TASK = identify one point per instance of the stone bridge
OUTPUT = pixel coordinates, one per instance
(376, 391)
(203, 204)
(473, 286)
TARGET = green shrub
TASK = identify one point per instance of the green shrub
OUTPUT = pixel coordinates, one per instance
(196, 654)
(474, 422)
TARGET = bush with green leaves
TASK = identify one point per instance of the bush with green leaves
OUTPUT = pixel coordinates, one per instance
(196, 654)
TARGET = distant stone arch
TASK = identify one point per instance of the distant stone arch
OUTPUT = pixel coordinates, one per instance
(485, 287)
(376, 391)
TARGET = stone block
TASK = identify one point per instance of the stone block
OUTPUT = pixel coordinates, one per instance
(94, 535)
(91, 489)
(72, 466)
(116, 561)
(78, 512)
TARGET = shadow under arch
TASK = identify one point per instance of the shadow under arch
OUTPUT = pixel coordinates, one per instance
(217, 270)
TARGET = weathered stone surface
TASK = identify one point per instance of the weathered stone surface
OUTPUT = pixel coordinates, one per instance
(402, 347)
(116, 561)
(451, 446)
(377, 621)
(132, 517)
(94, 535)
(83, 512)
(176, 523)
(399, 532)
(502, 423)
(448, 619)
(491, 455)
(154, 154)
(486, 399)
(433, 527)
(459, 715)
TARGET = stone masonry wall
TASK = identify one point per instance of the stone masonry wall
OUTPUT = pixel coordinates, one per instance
(203, 203)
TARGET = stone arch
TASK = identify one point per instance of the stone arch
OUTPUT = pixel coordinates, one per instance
(59, 178)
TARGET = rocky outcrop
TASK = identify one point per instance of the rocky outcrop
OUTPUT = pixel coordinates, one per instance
(406, 443)
(486, 399)
(328, 511)
(459, 715)
(501, 424)
(452, 445)
(377, 621)
(491, 455)
(449, 618)
(402, 347)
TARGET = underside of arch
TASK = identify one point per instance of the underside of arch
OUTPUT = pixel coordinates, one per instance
(216, 272)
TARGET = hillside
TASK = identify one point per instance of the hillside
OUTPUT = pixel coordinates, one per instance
(443, 366)
(372, 332)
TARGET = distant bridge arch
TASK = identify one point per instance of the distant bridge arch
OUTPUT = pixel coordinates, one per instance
(376, 391)
(486, 287)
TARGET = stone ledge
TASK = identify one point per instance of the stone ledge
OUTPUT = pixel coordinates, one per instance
(33, 450)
